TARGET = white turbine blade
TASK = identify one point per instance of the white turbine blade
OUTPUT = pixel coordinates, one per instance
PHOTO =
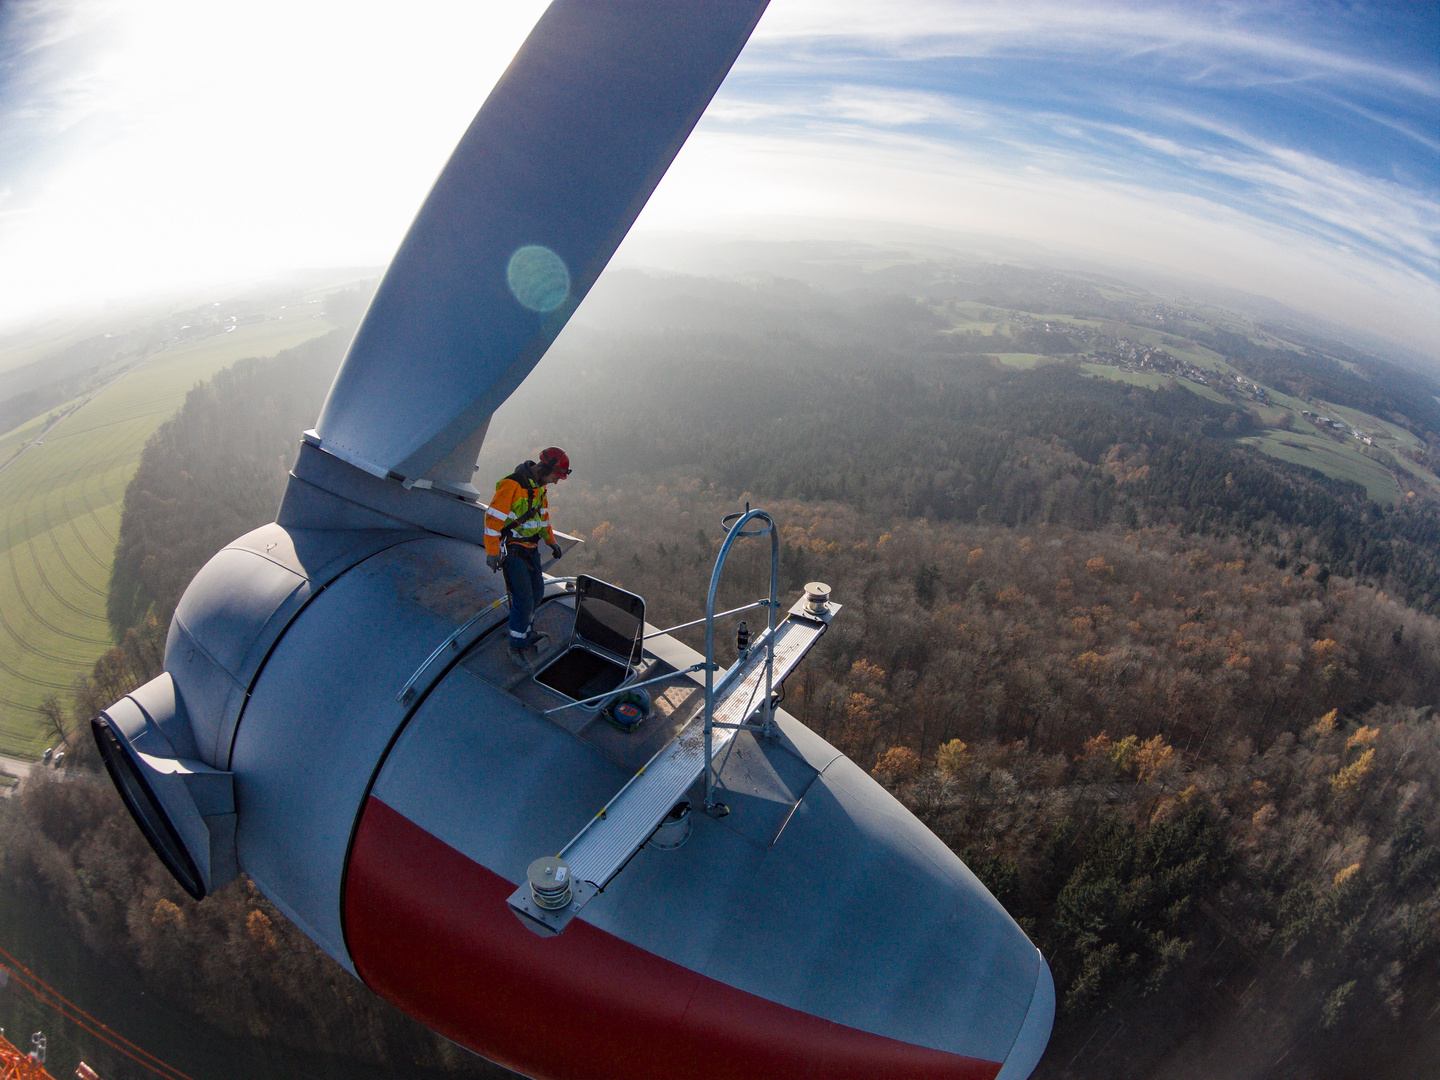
(536, 198)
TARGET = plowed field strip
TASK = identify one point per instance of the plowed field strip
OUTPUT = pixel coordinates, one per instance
(58, 550)
(22, 595)
(52, 512)
(35, 663)
(80, 490)
(30, 680)
(18, 705)
(72, 520)
(66, 522)
(110, 537)
(69, 574)
(148, 414)
(25, 642)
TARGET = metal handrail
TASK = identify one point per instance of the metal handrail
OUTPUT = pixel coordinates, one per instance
(697, 622)
(407, 691)
(767, 709)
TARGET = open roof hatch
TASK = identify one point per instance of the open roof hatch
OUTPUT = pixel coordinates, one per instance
(605, 644)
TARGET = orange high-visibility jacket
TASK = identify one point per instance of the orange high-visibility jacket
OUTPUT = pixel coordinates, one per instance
(510, 510)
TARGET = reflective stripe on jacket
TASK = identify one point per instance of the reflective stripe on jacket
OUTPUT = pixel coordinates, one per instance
(513, 501)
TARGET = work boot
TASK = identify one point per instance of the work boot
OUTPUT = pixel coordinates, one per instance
(536, 640)
(518, 658)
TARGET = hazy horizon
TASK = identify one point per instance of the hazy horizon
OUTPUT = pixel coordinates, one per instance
(1289, 153)
(788, 250)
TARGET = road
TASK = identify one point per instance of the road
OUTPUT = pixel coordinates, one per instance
(16, 767)
(39, 438)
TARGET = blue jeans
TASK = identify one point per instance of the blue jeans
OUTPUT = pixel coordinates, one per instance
(527, 586)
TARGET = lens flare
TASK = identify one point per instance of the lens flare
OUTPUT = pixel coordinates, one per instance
(538, 278)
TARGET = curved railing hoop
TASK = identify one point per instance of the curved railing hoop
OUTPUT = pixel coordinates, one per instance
(729, 521)
(735, 529)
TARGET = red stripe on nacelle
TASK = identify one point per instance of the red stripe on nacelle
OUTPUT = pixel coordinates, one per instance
(430, 931)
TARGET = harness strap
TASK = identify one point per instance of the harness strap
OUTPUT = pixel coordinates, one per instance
(506, 536)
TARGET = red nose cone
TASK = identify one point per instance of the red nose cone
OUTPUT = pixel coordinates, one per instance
(430, 930)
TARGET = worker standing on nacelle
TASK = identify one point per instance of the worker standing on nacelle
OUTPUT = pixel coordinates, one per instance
(516, 522)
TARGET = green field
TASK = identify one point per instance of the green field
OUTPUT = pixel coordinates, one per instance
(1023, 360)
(1151, 379)
(60, 514)
(1331, 457)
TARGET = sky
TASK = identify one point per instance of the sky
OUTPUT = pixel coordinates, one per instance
(1285, 149)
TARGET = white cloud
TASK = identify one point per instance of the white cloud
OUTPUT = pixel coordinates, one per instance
(1100, 161)
(844, 105)
(1365, 219)
(1391, 217)
(726, 181)
(1217, 43)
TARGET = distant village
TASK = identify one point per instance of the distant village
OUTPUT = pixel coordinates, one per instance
(1128, 355)
(1338, 425)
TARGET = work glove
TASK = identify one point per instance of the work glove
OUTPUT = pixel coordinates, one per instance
(493, 561)
(555, 550)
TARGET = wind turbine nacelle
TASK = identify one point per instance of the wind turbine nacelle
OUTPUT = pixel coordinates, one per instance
(820, 923)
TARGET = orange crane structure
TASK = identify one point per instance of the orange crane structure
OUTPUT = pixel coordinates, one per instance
(15, 1065)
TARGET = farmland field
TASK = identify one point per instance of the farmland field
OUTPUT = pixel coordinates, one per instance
(1332, 458)
(1024, 361)
(60, 511)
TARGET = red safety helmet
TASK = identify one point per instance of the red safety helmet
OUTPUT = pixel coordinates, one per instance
(556, 460)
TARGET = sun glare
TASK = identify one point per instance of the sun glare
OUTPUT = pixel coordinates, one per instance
(216, 143)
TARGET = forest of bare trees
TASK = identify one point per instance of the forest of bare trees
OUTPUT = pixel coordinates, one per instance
(1209, 788)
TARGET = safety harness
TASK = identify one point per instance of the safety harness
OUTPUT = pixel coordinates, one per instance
(530, 486)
